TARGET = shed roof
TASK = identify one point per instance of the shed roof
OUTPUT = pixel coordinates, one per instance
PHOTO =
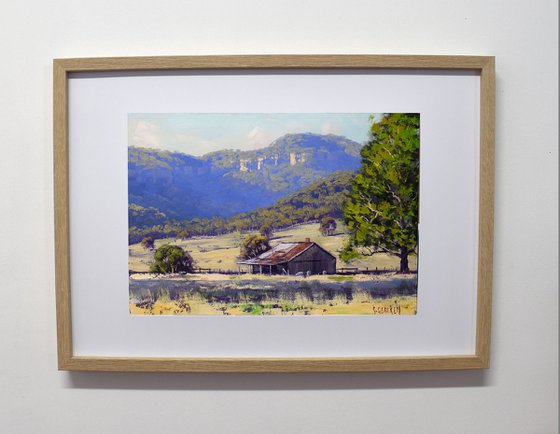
(283, 252)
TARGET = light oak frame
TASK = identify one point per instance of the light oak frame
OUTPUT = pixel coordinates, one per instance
(484, 65)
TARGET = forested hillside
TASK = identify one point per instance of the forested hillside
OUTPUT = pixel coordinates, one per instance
(325, 197)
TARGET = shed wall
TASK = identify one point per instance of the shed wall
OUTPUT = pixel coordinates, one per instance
(314, 260)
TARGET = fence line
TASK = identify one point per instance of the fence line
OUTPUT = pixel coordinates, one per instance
(342, 271)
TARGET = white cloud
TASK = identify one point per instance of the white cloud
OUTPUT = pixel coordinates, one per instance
(329, 128)
(258, 138)
(255, 133)
(145, 135)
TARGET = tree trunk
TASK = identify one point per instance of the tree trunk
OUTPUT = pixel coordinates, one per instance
(404, 260)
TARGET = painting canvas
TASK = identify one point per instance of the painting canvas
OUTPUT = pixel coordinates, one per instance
(273, 213)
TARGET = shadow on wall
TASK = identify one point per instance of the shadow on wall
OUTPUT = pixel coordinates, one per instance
(318, 381)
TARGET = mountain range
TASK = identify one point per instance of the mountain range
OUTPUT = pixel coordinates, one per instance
(165, 185)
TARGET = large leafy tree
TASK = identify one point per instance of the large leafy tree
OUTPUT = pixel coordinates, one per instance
(382, 207)
(172, 259)
(253, 245)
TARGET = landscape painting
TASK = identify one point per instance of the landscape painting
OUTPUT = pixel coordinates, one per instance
(273, 213)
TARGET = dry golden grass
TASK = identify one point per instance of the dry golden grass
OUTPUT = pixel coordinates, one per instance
(219, 294)
(403, 305)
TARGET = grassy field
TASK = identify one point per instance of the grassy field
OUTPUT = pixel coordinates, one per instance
(220, 252)
(219, 294)
(250, 294)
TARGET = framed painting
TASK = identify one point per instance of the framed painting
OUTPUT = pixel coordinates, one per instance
(273, 213)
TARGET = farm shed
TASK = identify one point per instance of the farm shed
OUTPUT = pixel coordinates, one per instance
(291, 258)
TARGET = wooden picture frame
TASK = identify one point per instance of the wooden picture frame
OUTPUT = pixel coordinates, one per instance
(483, 66)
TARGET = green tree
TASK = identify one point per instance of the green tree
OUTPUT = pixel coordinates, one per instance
(183, 234)
(148, 243)
(327, 226)
(172, 259)
(254, 245)
(266, 230)
(382, 208)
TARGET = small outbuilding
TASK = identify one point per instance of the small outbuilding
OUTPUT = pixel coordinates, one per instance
(291, 258)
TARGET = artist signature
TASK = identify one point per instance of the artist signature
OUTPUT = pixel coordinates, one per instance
(386, 310)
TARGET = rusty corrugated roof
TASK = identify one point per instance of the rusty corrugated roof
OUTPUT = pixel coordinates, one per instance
(283, 252)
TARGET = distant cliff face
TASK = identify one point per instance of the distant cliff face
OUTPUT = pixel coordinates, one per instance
(227, 182)
(318, 151)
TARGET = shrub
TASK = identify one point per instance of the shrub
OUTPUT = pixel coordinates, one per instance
(148, 243)
(183, 234)
(172, 259)
(328, 226)
(266, 230)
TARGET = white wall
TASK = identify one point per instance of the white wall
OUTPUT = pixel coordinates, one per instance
(517, 395)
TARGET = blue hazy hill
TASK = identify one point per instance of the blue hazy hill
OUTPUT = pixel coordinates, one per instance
(168, 185)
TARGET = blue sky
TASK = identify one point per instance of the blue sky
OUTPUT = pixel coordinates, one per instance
(200, 133)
